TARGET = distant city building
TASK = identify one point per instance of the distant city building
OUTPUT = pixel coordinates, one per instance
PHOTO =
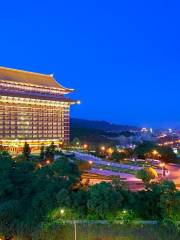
(175, 150)
(144, 129)
(147, 130)
(33, 109)
(170, 130)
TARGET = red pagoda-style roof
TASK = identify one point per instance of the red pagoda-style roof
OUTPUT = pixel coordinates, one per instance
(30, 78)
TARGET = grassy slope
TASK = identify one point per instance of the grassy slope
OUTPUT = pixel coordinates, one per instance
(113, 232)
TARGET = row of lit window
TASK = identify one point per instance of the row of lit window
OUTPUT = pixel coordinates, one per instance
(16, 107)
(37, 111)
(45, 122)
(33, 109)
(32, 136)
(35, 122)
(21, 117)
(33, 132)
(56, 114)
(35, 137)
(34, 129)
(29, 88)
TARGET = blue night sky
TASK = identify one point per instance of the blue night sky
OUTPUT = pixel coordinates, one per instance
(122, 57)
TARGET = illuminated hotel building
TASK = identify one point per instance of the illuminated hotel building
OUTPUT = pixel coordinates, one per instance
(33, 109)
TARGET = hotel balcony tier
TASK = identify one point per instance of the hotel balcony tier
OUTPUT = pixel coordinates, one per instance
(33, 109)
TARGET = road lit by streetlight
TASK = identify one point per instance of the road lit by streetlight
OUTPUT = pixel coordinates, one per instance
(162, 165)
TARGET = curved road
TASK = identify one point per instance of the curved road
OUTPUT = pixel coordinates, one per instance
(174, 169)
(174, 173)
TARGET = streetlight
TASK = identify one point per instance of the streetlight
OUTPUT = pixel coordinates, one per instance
(85, 146)
(155, 152)
(110, 151)
(75, 230)
(77, 144)
(103, 148)
(62, 211)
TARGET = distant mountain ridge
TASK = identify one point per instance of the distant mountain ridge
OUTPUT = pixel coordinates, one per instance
(101, 125)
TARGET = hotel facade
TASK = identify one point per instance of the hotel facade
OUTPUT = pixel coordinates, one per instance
(33, 109)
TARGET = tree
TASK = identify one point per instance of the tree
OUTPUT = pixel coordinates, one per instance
(167, 154)
(160, 201)
(26, 151)
(122, 155)
(5, 157)
(76, 142)
(50, 152)
(143, 149)
(146, 205)
(42, 153)
(146, 175)
(84, 166)
(28, 194)
(169, 201)
(15, 179)
(146, 149)
(101, 200)
(118, 156)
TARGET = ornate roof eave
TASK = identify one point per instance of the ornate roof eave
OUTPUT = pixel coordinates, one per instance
(64, 88)
(41, 98)
(27, 78)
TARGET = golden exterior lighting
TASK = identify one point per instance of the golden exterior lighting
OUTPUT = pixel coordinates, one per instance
(85, 146)
(155, 152)
(33, 109)
(103, 148)
(90, 162)
(121, 151)
(39, 165)
(110, 151)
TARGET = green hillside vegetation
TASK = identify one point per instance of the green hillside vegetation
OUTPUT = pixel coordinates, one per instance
(36, 197)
